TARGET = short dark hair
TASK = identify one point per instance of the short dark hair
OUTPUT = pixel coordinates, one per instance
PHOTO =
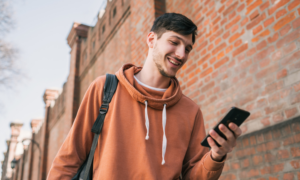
(174, 22)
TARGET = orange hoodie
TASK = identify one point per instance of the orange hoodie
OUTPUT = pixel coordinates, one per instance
(146, 134)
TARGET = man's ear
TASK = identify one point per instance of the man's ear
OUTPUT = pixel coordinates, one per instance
(151, 39)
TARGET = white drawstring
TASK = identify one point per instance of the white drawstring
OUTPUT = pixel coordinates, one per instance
(164, 121)
(147, 120)
(164, 144)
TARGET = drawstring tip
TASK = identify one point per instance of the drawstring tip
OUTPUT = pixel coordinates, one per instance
(147, 137)
(163, 162)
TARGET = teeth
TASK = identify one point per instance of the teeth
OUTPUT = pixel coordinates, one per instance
(173, 62)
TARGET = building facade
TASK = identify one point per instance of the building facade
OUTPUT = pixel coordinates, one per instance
(247, 54)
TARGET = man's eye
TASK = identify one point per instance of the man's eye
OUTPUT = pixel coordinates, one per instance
(187, 50)
(172, 42)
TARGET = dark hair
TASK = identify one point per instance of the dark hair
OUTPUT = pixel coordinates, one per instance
(174, 22)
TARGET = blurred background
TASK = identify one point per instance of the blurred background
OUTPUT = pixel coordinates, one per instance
(247, 54)
(36, 31)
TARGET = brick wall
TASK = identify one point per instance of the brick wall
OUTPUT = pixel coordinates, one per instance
(246, 55)
(271, 153)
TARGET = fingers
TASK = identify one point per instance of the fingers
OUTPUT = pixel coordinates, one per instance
(231, 138)
(237, 131)
(224, 144)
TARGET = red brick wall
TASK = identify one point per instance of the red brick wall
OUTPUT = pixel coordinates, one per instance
(247, 55)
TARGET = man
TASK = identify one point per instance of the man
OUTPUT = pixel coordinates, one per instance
(151, 131)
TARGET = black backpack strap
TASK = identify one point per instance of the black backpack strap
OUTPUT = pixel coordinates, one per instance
(110, 87)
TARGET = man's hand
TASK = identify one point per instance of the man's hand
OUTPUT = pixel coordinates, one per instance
(226, 145)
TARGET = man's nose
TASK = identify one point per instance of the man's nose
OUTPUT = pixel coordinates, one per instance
(180, 53)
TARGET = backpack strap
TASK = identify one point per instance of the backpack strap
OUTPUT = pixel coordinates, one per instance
(110, 87)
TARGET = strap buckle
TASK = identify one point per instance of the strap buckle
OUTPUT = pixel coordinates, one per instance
(104, 108)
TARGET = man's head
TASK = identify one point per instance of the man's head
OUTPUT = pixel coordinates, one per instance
(170, 41)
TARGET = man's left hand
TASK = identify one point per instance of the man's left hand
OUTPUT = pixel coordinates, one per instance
(218, 153)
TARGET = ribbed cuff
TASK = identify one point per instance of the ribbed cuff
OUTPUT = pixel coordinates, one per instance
(212, 165)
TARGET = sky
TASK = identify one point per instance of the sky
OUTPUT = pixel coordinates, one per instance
(40, 33)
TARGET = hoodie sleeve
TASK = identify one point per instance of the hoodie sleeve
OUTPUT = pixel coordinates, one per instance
(198, 163)
(78, 142)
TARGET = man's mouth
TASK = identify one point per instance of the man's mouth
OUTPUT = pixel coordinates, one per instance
(173, 61)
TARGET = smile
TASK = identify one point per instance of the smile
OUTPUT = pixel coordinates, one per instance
(173, 61)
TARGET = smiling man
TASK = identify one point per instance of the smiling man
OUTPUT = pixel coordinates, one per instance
(151, 131)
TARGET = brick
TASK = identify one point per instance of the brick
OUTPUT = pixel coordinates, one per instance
(234, 28)
(220, 55)
(257, 159)
(221, 9)
(269, 157)
(276, 133)
(283, 154)
(297, 87)
(286, 131)
(254, 15)
(261, 45)
(277, 168)
(240, 8)
(264, 6)
(287, 19)
(230, 8)
(281, 74)
(240, 49)
(233, 22)
(295, 151)
(269, 21)
(256, 21)
(245, 163)
(288, 38)
(296, 23)
(263, 54)
(277, 6)
(208, 86)
(278, 117)
(288, 141)
(202, 60)
(221, 62)
(265, 121)
(261, 35)
(231, 15)
(229, 48)
(218, 41)
(238, 43)
(265, 62)
(244, 21)
(257, 30)
(297, 138)
(226, 35)
(291, 112)
(288, 176)
(260, 139)
(280, 13)
(253, 6)
(236, 36)
(293, 5)
(218, 48)
(274, 38)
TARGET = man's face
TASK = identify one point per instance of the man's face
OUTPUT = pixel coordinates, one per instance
(171, 51)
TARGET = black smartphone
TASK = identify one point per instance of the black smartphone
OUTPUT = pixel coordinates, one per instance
(235, 115)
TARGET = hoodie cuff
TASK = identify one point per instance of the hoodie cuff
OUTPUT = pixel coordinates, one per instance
(212, 165)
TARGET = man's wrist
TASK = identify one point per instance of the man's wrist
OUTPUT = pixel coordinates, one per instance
(217, 159)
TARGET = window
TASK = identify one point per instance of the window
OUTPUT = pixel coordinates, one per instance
(103, 28)
(114, 12)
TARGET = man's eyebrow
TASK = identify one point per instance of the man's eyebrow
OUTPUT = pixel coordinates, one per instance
(189, 45)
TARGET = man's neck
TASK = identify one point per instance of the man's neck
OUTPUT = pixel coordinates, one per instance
(151, 76)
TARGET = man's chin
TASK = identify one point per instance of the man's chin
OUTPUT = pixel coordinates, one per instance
(165, 74)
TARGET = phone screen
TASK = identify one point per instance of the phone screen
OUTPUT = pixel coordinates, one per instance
(235, 115)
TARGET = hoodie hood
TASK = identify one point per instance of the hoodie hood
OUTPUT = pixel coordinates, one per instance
(170, 97)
